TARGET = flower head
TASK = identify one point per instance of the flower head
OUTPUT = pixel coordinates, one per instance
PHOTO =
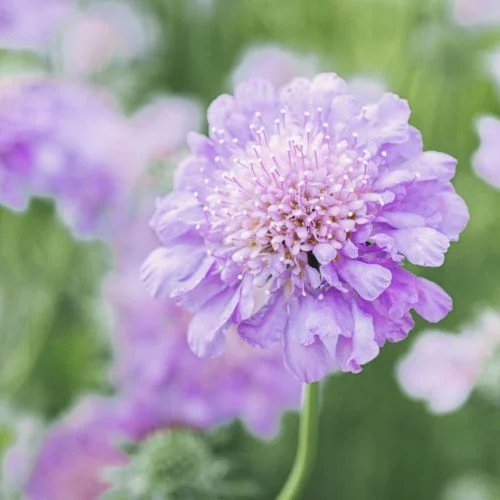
(443, 368)
(292, 221)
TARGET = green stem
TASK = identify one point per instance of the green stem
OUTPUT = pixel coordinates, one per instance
(306, 449)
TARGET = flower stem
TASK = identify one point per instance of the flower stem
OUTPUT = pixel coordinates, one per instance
(307, 444)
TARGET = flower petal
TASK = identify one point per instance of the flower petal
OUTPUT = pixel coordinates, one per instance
(433, 302)
(352, 352)
(207, 327)
(267, 325)
(422, 246)
(369, 280)
(309, 363)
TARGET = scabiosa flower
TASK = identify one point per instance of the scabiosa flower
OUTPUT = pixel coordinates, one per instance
(31, 24)
(293, 220)
(485, 160)
(65, 142)
(74, 454)
(443, 368)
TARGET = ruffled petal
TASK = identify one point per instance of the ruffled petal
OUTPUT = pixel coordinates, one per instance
(176, 214)
(267, 325)
(165, 268)
(352, 352)
(207, 327)
(369, 280)
(387, 119)
(433, 302)
(324, 252)
(422, 246)
(309, 363)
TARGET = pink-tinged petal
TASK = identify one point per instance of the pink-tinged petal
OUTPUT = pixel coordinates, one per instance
(324, 252)
(369, 280)
(388, 120)
(176, 214)
(309, 363)
(247, 300)
(393, 178)
(190, 174)
(255, 95)
(329, 273)
(165, 268)
(208, 326)
(433, 302)
(352, 352)
(324, 88)
(402, 219)
(185, 285)
(220, 109)
(431, 165)
(267, 325)
(295, 96)
(422, 246)
(310, 317)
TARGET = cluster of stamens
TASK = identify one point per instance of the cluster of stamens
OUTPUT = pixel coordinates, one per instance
(291, 187)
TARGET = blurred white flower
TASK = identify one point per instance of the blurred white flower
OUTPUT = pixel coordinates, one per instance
(105, 31)
(476, 12)
(471, 487)
(443, 368)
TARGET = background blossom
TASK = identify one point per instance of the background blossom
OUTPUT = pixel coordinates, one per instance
(443, 368)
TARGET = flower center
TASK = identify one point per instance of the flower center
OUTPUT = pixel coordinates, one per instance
(288, 190)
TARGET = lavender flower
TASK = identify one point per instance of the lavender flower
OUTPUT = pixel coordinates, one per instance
(485, 160)
(292, 221)
(31, 24)
(443, 369)
(76, 451)
(66, 142)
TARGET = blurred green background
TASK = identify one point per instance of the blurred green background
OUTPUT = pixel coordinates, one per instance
(375, 444)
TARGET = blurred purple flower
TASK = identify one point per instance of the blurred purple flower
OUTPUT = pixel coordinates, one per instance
(67, 142)
(104, 31)
(292, 222)
(31, 24)
(486, 160)
(74, 454)
(443, 368)
(274, 63)
(476, 12)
